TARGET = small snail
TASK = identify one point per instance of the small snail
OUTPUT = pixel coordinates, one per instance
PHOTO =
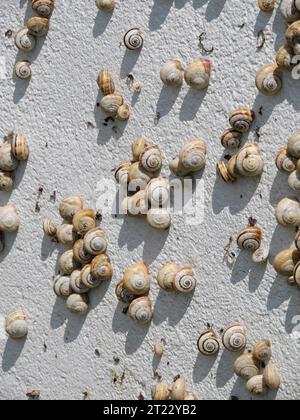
(69, 206)
(192, 158)
(133, 39)
(294, 180)
(159, 218)
(289, 10)
(101, 268)
(256, 385)
(292, 36)
(138, 147)
(81, 255)
(87, 278)
(178, 391)
(106, 5)
(137, 279)
(23, 69)
(9, 220)
(234, 337)
(16, 324)
(246, 367)
(227, 170)
(49, 227)
(19, 147)
(8, 162)
(151, 159)
(84, 220)
(166, 276)
(171, 73)
(62, 286)
(284, 161)
(160, 392)
(266, 5)
(284, 57)
(269, 79)
(24, 40)
(43, 7)
(6, 181)
(137, 87)
(197, 75)
(123, 294)
(138, 174)
(249, 161)
(250, 238)
(123, 113)
(159, 349)
(121, 173)
(111, 103)
(105, 82)
(76, 284)
(38, 26)
(65, 234)
(285, 261)
(77, 304)
(67, 263)
(185, 281)
(95, 242)
(231, 139)
(140, 310)
(135, 205)
(271, 377)
(262, 351)
(287, 212)
(241, 119)
(158, 192)
(293, 146)
(208, 343)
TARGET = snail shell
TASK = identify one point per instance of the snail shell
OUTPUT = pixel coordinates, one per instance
(296, 274)
(166, 276)
(178, 391)
(269, 79)
(69, 206)
(105, 82)
(38, 26)
(294, 180)
(249, 161)
(160, 392)
(101, 268)
(284, 161)
(16, 324)
(106, 5)
(271, 377)
(136, 205)
(8, 162)
(158, 192)
(288, 212)
(297, 241)
(67, 263)
(19, 147)
(95, 242)
(171, 73)
(256, 385)
(87, 278)
(266, 5)
(6, 181)
(208, 344)
(111, 103)
(241, 119)
(43, 8)
(65, 234)
(9, 220)
(284, 57)
(138, 174)
(293, 146)
(289, 10)
(197, 75)
(158, 349)
(140, 310)
(224, 172)
(138, 147)
(250, 238)
(76, 284)
(137, 279)
(292, 35)
(231, 139)
(49, 227)
(84, 220)
(159, 218)
(137, 87)
(123, 113)
(77, 304)
(62, 286)
(261, 255)
(24, 40)
(185, 281)
(151, 159)
(80, 253)
(123, 294)
(246, 367)
(262, 351)
(23, 69)
(192, 158)
(121, 174)
(285, 261)
(234, 337)
(133, 39)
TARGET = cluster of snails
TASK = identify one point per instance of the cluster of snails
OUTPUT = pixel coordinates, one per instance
(112, 102)
(178, 391)
(9, 222)
(13, 150)
(106, 5)
(251, 239)
(36, 26)
(197, 75)
(86, 265)
(288, 160)
(287, 262)
(16, 324)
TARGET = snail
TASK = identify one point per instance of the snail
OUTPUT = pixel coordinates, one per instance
(65, 234)
(294, 180)
(246, 366)
(284, 57)
(296, 274)
(140, 310)
(171, 73)
(138, 174)
(38, 26)
(62, 286)
(6, 181)
(16, 324)
(293, 146)
(234, 337)
(256, 385)
(159, 349)
(261, 255)
(121, 173)
(192, 158)
(184, 280)
(135, 205)
(101, 268)
(133, 39)
(249, 161)
(87, 278)
(227, 170)
(81, 255)
(123, 113)
(284, 161)
(77, 304)
(111, 103)
(166, 276)
(151, 159)
(197, 75)
(285, 261)
(269, 79)
(23, 69)
(137, 87)
(271, 377)
(289, 10)
(262, 351)
(160, 392)
(106, 5)
(24, 41)
(67, 263)
(178, 391)
(159, 218)
(49, 227)
(8, 162)
(95, 242)
(137, 279)
(231, 139)
(158, 192)
(9, 220)
(84, 220)
(43, 7)
(123, 294)
(266, 5)
(292, 36)
(19, 147)
(138, 147)
(69, 206)
(76, 284)
(208, 343)
(287, 212)
(105, 82)
(241, 119)
(250, 238)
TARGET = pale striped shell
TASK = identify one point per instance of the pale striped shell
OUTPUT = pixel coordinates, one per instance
(234, 337)
(24, 40)
(250, 238)
(43, 8)
(76, 284)
(19, 147)
(140, 310)
(185, 281)
(105, 82)
(61, 286)
(16, 324)
(241, 119)
(23, 69)
(77, 304)
(95, 242)
(269, 79)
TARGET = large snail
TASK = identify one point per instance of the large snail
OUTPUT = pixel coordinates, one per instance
(269, 79)
(241, 119)
(137, 279)
(287, 212)
(24, 40)
(208, 344)
(69, 206)
(192, 158)
(197, 75)
(246, 366)
(9, 220)
(16, 324)
(43, 8)
(234, 337)
(171, 73)
(249, 161)
(140, 310)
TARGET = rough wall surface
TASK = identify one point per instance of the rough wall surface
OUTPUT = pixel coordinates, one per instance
(71, 150)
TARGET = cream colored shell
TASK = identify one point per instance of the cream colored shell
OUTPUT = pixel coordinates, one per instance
(49, 227)
(271, 377)
(76, 284)
(262, 350)
(159, 218)
(179, 389)
(77, 304)
(69, 206)
(208, 344)
(84, 220)
(171, 73)
(23, 69)
(197, 74)
(160, 392)
(140, 310)
(256, 385)
(101, 268)
(67, 263)
(269, 79)
(246, 366)
(16, 324)
(137, 279)
(293, 146)
(62, 286)
(8, 162)
(95, 242)
(6, 181)
(24, 40)
(65, 234)
(38, 26)
(285, 261)
(9, 220)
(106, 5)
(287, 212)
(234, 337)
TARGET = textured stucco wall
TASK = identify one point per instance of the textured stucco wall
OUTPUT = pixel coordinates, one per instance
(69, 155)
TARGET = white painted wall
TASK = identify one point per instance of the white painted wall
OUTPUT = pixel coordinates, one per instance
(69, 156)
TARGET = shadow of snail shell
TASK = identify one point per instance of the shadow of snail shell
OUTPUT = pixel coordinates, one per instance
(293, 146)
(137, 279)
(179, 390)
(246, 367)
(65, 234)
(77, 304)
(38, 26)
(208, 343)
(111, 103)
(76, 284)
(249, 161)
(87, 279)
(8, 162)
(43, 8)
(6, 181)
(160, 392)
(105, 82)
(250, 238)
(80, 254)
(197, 75)
(95, 242)
(271, 377)
(192, 158)
(284, 161)
(284, 57)
(159, 218)
(67, 263)
(287, 212)
(241, 119)
(106, 5)
(266, 5)
(138, 147)
(9, 220)
(171, 73)
(234, 337)
(256, 385)
(151, 159)
(140, 310)
(231, 139)
(84, 220)
(158, 192)
(123, 294)
(16, 324)
(69, 206)
(285, 261)
(23, 69)
(62, 286)
(289, 10)
(24, 41)
(121, 173)
(134, 39)
(49, 227)
(269, 79)
(135, 205)
(101, 268)
(262, 351)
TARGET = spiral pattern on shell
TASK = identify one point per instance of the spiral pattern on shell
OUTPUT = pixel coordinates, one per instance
(133, 39)
(262, 350)
(166, 275)
(80, 253)
(234, 338)
(137, 279)
(208, 344)
(231, 139)
(24, 40)
(43, 8)
(151, 159)
(123, 294)
(256, 385)
(197, 75)
(77, 304)
(95, 242)
(38, 26)
(49, 227)
(140, 310)
(76, 284)
(69, 206)
(105, 82)
(249, 161)
(269, 79)
(287, 212)
(101, 268)
(61, 286)
(159, 218)
(67, 263)
(158, 192)
(111, 103)
(84, 220)
(224, 173)
(9, 220)
(16, 324)
(171, 73)
(23, 69)
(19, 147)
(65, 234)
(185, 281)
(293, 146)
(284, 161)
(246, 367)
(241, 119)
(250, 238)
